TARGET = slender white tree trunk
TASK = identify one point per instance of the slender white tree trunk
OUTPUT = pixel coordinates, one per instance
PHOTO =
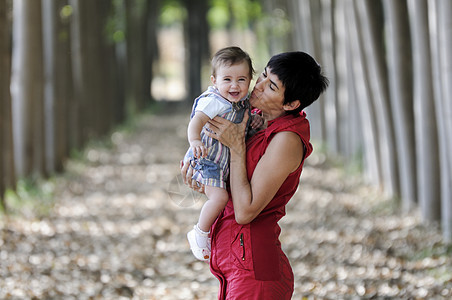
(373, 45)
(49, 37)
(363, 100)
(429, 183)
(27, 87)
(328, 54)
(311, 44)
(400, 80)
(441, 41)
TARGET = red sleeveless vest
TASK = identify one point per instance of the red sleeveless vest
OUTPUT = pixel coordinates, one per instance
(255, 246)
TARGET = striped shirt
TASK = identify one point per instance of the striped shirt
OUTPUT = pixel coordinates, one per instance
(213, 170)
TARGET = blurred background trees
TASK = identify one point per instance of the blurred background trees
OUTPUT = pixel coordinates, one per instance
(71, 70)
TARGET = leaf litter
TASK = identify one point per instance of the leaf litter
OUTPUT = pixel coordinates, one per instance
(117, 231)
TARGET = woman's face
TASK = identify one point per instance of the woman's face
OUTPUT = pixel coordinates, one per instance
(268, 95)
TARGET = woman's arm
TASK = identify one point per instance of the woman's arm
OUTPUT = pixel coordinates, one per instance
(283, 156)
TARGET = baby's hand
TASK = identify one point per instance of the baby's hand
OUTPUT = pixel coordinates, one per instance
(256, 121)
(198, 148)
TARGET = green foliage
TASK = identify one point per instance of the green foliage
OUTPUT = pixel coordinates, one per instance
(116, 23)
(241, 12)
(33, 197)
(66, 12)
(432, 256)
(172, 13)
(436, 250)
(218, 15)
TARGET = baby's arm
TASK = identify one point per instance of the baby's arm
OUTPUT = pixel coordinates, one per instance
(194, 134)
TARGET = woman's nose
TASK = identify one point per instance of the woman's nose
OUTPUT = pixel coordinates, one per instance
(259, 84)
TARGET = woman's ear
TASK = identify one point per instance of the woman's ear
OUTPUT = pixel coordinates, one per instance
(292, 105)
(213, 79)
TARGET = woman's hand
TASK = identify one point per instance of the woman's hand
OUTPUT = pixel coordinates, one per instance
(257, 122)
(228, 133)
(186, 170)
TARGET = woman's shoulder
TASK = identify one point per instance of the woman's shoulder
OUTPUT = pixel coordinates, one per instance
(291, 130)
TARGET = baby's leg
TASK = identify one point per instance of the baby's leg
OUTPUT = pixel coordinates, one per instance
(217, 199)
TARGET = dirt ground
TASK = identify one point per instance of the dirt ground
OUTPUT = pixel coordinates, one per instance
(117, 231)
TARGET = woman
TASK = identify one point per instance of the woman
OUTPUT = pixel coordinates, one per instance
(264, 174)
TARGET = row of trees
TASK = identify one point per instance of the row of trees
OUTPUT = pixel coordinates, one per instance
(390, 66)
(78, 67)
(72, 70)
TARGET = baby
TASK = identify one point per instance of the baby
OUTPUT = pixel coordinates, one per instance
(232, 72)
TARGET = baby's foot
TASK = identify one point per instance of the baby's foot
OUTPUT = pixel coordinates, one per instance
(199, 243)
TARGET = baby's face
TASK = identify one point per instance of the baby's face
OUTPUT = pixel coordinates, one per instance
(232, 81)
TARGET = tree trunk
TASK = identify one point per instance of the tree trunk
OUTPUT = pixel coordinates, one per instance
(136, 38)
(372, 22)
(309, 16)
(429, 182)
(76, 123)
(328, 61)
(440, 40)
(50, 35)
(6, 144)
(95, 72)
(64, 87)
(151, 50)
(364, 98)
(401, 91)
(117, 61)
(27, 88)
(196, 22)
(347, 144)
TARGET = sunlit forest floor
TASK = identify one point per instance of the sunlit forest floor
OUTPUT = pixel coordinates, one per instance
(117, 231)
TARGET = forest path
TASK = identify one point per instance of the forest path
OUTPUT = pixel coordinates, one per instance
(117, 232)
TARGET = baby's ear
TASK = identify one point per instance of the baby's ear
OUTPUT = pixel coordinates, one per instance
(213, 79)
(292, 105)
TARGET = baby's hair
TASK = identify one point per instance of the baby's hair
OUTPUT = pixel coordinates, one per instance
(230, 56)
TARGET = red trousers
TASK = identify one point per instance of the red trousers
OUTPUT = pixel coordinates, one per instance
(232, 263)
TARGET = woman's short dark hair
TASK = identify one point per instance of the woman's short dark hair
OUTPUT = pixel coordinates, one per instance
(301, 76)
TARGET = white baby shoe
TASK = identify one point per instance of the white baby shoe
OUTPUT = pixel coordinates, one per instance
(199, 243)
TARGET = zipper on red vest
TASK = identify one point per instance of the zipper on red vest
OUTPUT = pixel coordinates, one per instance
(242, 244)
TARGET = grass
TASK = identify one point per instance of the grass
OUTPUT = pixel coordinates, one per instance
(33, 197)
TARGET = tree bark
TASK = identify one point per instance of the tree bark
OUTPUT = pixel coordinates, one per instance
(364, 99)
(136, 39)
(328, 61)
(52, 102)
(28, 88)
(401, 91)
(440, 41)
(76, 124)
(429, 183)
(7, 175)
(309, 15)
(372, 20)
(151, 51)
(64, 87)
(195, 24)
